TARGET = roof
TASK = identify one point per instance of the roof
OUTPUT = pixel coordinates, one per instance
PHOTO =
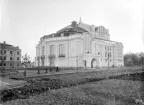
(7, 46)
(68, 30)
(84, 26)
(72, 29)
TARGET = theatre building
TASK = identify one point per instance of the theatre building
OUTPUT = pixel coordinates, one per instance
(79, 45)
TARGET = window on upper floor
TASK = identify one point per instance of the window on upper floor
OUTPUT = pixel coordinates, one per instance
(110, 54)
(108, 48)
(11, 58)
(17, 58)
(11, 52)
(4, 57)
(0, 57)
(43, 50)
(52, 49)
(105, 48)
(105, 54)
(4, 64)
(0, 51)
(4, 51)
(61, 50)
(17, 52)
(10, 64)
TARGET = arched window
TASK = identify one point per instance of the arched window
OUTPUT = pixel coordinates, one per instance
(61, 49)
(52, 50)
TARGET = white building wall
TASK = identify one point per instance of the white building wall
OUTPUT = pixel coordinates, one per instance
(81, 47)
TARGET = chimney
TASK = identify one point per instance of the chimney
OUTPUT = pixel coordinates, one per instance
(4, 42)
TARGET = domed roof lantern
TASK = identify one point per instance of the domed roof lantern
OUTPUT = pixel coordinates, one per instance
(74, 24)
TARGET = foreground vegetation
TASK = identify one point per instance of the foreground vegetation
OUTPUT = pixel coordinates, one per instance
(105, 92)
(44, 85)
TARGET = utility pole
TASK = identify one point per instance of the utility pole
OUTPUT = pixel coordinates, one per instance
(38, 65)
(77, 62)
(108, 60)
(68, 48)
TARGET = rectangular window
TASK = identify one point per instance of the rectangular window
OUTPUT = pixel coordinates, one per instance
(17, 64)
(4, 51)
(10, 64)
(10, 58)
(11, 52)
(52, 49)
(105, 54)
(17, 52)
(4, 64)
(0, 57)
(0, 51)
(4, 57)
(18, 58)
(61, 50)
(105, 48)
(109, 54)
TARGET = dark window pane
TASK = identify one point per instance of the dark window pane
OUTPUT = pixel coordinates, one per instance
(4, 51)
(4, 57)
(10, 52)
(10, 58)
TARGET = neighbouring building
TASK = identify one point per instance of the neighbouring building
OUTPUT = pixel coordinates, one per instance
(79, 45)
(10, 56)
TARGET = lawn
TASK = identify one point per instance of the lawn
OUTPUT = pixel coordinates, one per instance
(89, 88)
(105, 92)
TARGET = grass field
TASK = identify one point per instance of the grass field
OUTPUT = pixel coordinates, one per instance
(105, 92)
(92, 88)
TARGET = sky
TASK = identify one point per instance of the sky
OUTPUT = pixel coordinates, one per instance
(23, 22)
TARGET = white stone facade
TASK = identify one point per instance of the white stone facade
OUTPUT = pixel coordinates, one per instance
(79, 45)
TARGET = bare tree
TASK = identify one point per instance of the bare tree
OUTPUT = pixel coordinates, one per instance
(26, 61)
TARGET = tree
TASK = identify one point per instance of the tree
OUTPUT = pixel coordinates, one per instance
(26, 61)
(141, 58)
(134, 59)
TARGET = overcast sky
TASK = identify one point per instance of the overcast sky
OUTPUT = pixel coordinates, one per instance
(23, 22)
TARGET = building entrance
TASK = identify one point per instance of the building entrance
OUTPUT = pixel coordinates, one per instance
(93, 63)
